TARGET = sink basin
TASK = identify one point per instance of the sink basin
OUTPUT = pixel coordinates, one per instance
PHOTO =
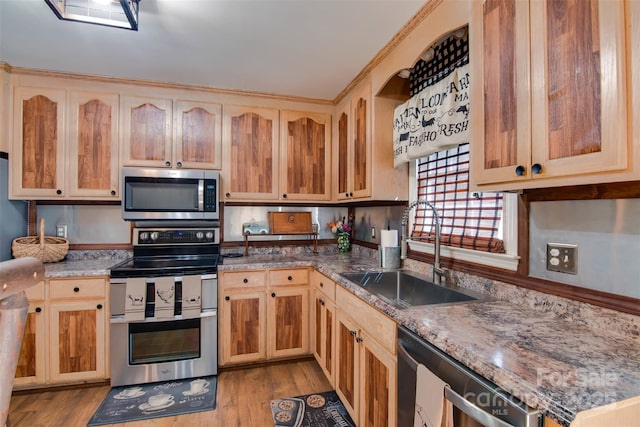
(403, 289)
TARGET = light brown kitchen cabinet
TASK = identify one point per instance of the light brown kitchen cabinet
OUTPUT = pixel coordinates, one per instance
(353, 146)
(305, 153)
(66, 333)
(251, 154)
(38, 143)
(31, 365)
(365, 361)
(323, 315)
(151, 138)
(93, 158)
(66, 145)
(243, 327)
(552, 99)
(288, 313)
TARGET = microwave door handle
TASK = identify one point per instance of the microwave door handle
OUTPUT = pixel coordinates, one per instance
(201, 195)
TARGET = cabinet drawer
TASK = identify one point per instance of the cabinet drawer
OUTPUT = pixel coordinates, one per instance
(375, 323)
(326, 286)
(243, 279)
(80, 288)
(35, 293)
(298, 276)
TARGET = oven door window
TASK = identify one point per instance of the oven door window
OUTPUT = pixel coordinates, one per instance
(170, 341)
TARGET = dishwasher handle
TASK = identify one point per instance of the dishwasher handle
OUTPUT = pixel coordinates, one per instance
(456, 399)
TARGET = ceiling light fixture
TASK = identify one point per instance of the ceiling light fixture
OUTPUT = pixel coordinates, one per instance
(112, 13)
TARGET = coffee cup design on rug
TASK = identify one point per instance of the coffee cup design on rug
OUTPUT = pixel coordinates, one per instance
(197, 387)
(130, 393)
(157, 402)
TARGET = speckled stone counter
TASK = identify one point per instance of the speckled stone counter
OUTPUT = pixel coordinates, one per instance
(559, 355)
(85, 263)
(556, 355)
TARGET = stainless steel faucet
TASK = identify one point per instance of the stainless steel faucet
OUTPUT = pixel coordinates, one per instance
(438, 272)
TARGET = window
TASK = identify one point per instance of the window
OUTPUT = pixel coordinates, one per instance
(467, 220)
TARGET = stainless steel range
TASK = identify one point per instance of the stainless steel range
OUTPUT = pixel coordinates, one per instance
(164, 304)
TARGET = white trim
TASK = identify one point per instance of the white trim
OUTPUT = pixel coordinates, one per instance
(505, 261)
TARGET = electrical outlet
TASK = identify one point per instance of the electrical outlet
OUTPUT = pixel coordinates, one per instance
(373, 232)
(562, 257)
(61, 230)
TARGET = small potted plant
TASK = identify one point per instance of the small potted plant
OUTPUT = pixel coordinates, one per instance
(342, 230)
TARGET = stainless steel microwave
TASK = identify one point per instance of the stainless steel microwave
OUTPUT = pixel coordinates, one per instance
(169, 194)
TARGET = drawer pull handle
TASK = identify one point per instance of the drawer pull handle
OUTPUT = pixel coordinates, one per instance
(99, 306)
(245, 281)
(289, 278)
(76, 289)
(38, 309)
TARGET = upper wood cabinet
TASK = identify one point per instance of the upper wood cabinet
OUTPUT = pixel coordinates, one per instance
(552, 97)
(251, 153)
(305, 171)
(353, 146)
(64, 148)
(150, 138)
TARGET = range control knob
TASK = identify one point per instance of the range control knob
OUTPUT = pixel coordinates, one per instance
(209, 235)
(199, 235)
(144, 235)
(155, 235)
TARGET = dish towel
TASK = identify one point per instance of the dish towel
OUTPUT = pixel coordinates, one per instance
(165, 297)
(432, 409)
(136, 290)
(191, 296)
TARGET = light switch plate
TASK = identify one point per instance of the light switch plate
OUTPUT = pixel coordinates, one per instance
(61, 231)
(562, 257)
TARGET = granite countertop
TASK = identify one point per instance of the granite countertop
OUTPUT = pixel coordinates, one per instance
(559, 364)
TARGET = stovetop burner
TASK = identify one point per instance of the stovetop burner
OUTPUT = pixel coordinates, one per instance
(171, 252)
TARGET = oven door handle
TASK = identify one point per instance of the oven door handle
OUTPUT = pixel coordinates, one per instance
(456, 399)
(210, 312)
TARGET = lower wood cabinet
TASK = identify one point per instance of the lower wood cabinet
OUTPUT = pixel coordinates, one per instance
(66, 333)
(264, 315)
(365, 361)
(323, 316)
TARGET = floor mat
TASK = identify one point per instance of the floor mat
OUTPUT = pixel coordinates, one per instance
(310, 410)
(155, 400)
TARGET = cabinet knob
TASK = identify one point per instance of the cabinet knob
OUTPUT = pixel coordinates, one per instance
(113, 192)
(289, 278)
(359, 340)
(273, 294)
(284, 196)
(76, 289)
(520, 170)
(227, 194)
(346, 194)
(227, 298)
(58, 191)
(245, 280)
(38, 309)
(179, 164)
(321, 301)
(321, 285)
(99, 306)
(167, 163)
(350, 194)
(536, 168)
(353, 333)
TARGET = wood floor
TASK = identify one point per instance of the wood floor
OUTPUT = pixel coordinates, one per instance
(243, 399)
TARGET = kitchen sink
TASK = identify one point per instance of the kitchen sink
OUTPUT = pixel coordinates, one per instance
(404, 289)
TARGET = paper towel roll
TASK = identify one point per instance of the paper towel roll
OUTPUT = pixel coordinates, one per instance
(388, 238)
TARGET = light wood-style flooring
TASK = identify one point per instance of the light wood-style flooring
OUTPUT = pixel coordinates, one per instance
(243, 400)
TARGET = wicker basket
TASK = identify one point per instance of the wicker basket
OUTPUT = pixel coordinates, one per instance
(45, 248)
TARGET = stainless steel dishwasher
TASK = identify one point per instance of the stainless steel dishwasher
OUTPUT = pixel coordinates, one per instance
(475, 400)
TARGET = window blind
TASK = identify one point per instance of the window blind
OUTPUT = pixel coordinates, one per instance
(468, 220)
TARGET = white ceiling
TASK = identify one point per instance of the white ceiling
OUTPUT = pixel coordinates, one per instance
(308, 48)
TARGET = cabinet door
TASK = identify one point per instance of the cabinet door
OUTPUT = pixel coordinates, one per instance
(93, 162)
(579, 92)
(306, 156)
(347, 364)
(38, 143)
(77, 341)
(360, 155)
(378, 387)
(197, 135)
(343, 135)
(243, 327)
(251, 154)
(146, 132)
(323, 334)
(31, 361)
(501, 118)
(288, 333)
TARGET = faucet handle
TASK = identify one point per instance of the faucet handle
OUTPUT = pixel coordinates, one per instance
(440, 276)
